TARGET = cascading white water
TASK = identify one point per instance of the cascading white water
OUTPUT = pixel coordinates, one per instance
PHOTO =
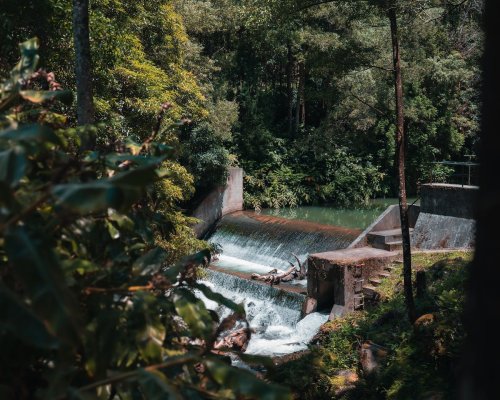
(253, 243)
(256, 243)
(273, 314)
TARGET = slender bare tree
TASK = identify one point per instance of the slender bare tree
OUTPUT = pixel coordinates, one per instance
(83, 62)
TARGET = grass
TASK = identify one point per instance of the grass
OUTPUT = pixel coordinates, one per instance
(422, 360)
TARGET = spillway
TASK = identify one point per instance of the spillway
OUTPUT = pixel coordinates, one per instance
(250, 243)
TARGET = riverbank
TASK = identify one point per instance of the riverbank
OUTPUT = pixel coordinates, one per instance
(399, 361)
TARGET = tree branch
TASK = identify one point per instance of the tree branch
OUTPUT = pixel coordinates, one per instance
(367, 104)
(132, 374)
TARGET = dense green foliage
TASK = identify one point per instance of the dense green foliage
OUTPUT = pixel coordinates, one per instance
(94, 300)
(316, 95)
(142, 57)
(292, 91)
(96, 281)
(422, 362)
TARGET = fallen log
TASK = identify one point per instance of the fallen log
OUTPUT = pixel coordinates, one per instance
(274, 278)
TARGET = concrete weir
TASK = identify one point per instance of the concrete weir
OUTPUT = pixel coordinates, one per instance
(337, 279)
(341, 280)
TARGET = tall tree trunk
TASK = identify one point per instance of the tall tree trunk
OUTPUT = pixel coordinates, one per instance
(400, 161)
(83, 69)
(302, 92)
(289, 78)
(297, 101)
(481, 362)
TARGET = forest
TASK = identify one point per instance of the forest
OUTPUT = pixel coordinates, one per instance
(118, 117)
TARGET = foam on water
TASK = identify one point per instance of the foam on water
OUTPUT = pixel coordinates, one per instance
(273, 313)
(270, 242)
(253, 243)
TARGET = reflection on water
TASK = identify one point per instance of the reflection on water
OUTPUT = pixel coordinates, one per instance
(356, 218)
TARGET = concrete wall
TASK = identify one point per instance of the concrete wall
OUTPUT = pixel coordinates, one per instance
(446, 199)
(389, 219)
(447, 217)
(221, 201)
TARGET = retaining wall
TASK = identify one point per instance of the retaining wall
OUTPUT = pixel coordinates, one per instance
(389, 219)
(446, 220)
(221, 201)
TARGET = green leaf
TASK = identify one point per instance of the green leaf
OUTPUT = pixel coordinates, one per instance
(39, 96)
(121, 220)
(244, 383)
(218, 298)
(150, 262)
(139, 177)
(200, 258)
(29, 60)
(156, 387)
(113, 232)
(38, 269)
(85, 198)
(21, 322)
(79, 265)
(134, 147)
(112, 160)
(252, 359)
(119, 192)
(194, 313)
(12, 165)
(31, 133)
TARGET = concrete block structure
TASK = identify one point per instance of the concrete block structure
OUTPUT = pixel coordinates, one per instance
(339, 278)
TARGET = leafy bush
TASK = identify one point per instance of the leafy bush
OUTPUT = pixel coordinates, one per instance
(205, 156)
(312, 172)
(89, 306)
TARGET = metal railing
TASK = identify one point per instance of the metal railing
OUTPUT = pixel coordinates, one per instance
(464, 172)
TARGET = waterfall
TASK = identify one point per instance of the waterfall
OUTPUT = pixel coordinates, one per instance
(257, 243)
(250, 243)
(273, 314)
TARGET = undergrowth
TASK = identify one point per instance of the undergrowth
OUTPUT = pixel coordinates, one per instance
(422, 361)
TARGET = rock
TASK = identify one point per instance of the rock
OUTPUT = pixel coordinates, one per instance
(371, 357)
(309, 306)
(424, 321)
(344, 381)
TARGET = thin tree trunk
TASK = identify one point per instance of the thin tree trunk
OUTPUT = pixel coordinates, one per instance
(83, 69)
(400, 161)
(302, 91)
(297, 102)
(289, 69)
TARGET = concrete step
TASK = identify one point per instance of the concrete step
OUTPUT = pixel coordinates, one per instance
(390, 268)
(375, 281)
(383, 275)
(394, 246)
(379, 238)
(370, 292)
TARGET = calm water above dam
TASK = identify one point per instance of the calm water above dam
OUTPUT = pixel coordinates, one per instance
(356, 217)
